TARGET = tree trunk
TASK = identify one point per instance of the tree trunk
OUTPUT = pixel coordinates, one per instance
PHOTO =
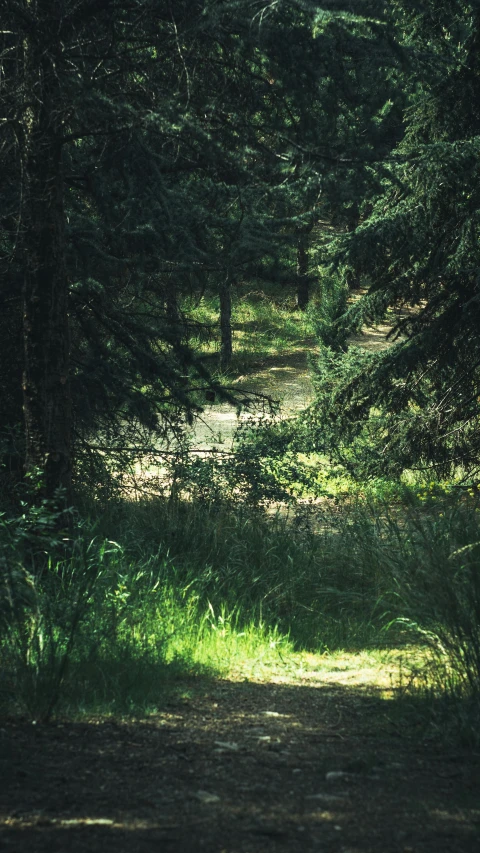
(226, 349)
(353, 277)
(303, 280)
(175, 328)
(46, 386)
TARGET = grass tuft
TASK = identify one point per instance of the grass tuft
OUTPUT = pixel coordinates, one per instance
(159, 592)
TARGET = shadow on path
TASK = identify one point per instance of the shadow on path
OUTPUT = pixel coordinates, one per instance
(285, 378)
(239, 767)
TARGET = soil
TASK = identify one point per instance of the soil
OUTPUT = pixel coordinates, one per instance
(234, 766)
(285, 378)
(239, 767)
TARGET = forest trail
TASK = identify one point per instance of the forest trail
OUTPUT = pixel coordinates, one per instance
(285, 378)
(309, 756)
(298, 763)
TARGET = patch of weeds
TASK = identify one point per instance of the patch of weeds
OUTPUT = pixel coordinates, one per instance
(197, 588)
(292, 578)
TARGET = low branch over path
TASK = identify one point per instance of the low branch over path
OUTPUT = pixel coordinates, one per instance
(285, 378)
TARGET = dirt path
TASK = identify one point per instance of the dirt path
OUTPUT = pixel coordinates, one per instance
(239, 767)
(285, 378)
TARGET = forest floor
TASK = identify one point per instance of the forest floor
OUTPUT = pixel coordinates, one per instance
(303, 758)
(286, 378)
(297, 762)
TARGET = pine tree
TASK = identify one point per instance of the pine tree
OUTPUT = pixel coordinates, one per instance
(92, 121)
(417, 403)
(151, 150)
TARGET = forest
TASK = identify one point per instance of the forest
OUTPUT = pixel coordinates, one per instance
(240, 390)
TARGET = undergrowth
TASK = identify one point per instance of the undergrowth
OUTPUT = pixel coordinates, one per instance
(159, 591)
(264, 325)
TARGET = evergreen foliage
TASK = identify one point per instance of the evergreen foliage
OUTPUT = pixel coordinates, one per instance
(150, 152)
(417, 250)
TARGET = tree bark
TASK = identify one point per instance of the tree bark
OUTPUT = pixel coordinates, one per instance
(303, 281)
(226, 348)
(46, 385)
(353, 277)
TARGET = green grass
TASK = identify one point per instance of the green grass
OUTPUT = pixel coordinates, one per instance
(157, 593)
(264, 325)
(186, 591)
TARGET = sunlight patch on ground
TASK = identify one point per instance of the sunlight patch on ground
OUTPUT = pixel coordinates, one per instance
(373, 337)
(376, 670)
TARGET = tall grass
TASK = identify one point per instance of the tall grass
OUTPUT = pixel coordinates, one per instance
(294, 577)
(436, 588)
(159, 591)
(264, 325)
(182, 589)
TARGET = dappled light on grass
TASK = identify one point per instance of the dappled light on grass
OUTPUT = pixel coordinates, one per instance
(196, 590)
(262, 329)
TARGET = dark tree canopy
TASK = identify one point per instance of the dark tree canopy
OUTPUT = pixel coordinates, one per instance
(149, 149)
(417, 249)
(153, 149)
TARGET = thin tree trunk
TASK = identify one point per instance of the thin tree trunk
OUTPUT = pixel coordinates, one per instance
(46, 385)
(353, 277)
(226, 348)
(303, 280)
